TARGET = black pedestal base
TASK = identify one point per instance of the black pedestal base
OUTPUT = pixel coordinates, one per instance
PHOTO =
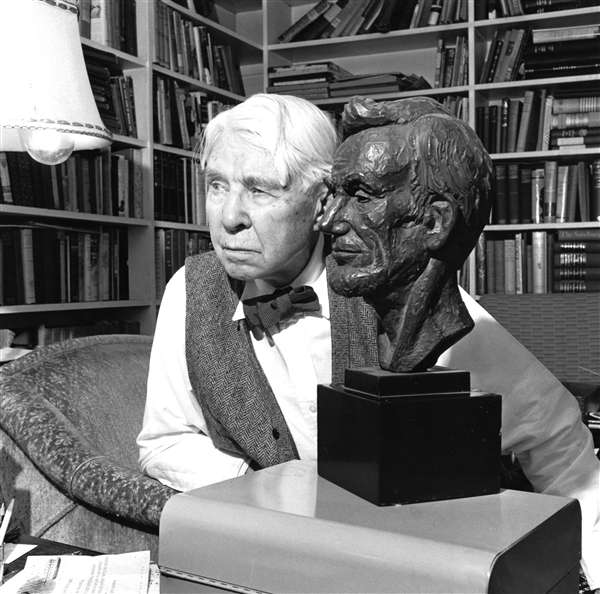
(401, 438)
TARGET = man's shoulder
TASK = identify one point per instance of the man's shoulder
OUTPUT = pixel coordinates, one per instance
(201, 265)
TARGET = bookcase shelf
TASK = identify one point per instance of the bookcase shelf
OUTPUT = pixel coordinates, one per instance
(516, 227)
(48, 213)
(198, 84)
(182, 226)
(80, 306)
(565, 153)
(251, 28)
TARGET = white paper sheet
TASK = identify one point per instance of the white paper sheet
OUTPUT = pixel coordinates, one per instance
(80, 574)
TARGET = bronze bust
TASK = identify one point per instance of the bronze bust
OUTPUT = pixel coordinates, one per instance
(411, 186)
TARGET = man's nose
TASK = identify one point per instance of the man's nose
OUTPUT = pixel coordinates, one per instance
(234, 214)
(332, 221)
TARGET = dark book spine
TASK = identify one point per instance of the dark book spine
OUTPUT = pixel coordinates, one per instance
(513, 213)
(501, 195)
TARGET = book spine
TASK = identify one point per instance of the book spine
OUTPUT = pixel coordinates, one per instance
(304, 21)
(27, 265)
(513, 193)
(501, 201)
(550, 182)
(537, 194)
(539, 262)
(562, 182)
(595, 191)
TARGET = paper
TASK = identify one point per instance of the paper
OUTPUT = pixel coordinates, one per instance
(14, 551)
(78, 574)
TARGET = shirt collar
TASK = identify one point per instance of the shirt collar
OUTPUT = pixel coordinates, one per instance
(313, 275)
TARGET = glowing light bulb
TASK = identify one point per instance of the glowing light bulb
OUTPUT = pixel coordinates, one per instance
(47, 146)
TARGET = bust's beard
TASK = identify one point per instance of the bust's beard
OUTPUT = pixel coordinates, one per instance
(358, 282)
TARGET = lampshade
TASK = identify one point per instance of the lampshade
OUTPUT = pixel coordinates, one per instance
(46, 102)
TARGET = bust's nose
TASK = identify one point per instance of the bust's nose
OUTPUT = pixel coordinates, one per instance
(333, 221)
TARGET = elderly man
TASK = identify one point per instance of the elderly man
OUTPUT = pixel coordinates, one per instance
(225, 395)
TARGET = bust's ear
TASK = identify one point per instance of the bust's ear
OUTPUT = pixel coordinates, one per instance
(321, 194)
(440, 220)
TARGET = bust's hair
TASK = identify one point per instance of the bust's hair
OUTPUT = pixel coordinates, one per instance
(299, 136)
(448, 160)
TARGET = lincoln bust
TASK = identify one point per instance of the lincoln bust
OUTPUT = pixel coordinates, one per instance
(410, 197)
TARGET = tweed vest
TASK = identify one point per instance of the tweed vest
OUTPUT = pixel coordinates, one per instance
(241, 412)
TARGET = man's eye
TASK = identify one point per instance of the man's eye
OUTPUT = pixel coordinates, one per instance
(216, 186)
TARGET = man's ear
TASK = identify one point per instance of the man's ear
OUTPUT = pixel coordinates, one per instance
(440, 220)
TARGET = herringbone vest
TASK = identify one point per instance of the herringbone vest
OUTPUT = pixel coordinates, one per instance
(240, 409)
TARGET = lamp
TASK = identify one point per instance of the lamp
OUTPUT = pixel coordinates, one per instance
(46, 102)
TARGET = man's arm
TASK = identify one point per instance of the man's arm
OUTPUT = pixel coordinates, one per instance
(174, 445)
(541, 422)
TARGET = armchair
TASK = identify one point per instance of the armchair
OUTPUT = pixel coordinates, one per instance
(69, 416)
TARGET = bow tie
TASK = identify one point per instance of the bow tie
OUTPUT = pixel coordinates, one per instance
(267, 310)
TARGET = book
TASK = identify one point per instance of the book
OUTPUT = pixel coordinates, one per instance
(576, 286)
(5, 185)
(578, 235)
(513, 214)
(576, 104)
(537, 194)
(562, 181)
(514, 114)
(541, 118)
(526, 136)
(553, 34)
(525, 194)
(575, 120)
(539, 262)
(500, 206)
(595, 190)
(550, 189)
(572, 192)
(318, 9)
(592, 245)
(583, 191)
(504, 109)
(547, 123)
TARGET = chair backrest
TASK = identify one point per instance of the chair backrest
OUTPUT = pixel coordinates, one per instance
(561, 329)
(69, 417)
(98, 383)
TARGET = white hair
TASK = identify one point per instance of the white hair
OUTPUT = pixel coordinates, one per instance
(298, 135)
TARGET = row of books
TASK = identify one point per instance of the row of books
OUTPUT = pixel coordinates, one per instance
(451, 63)
(180, 113)
(178, 189)
(548, 192)
(172, 246)
(566, 261)
(53, 264)
(343, 18)
(45, 334)
(542, 120)
(187, 48)
(109, 22)
(321, 80)
(113, 93)
(96, 182)
(560, 51)
(494, 9)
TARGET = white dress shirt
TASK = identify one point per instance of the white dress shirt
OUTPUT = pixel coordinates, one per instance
(541, 421)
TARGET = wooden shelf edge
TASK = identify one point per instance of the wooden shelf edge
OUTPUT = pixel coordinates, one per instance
(184, 226)
(84, 217)
(130, 59)
(197, 83)
(541, 226)
(536, 17)
(86, 305)
(545, 155)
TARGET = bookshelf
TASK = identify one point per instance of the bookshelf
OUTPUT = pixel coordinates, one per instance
(239, 26)
(250, 28)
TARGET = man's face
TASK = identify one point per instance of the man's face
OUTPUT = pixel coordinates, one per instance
(376, 242)
(260, 230)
